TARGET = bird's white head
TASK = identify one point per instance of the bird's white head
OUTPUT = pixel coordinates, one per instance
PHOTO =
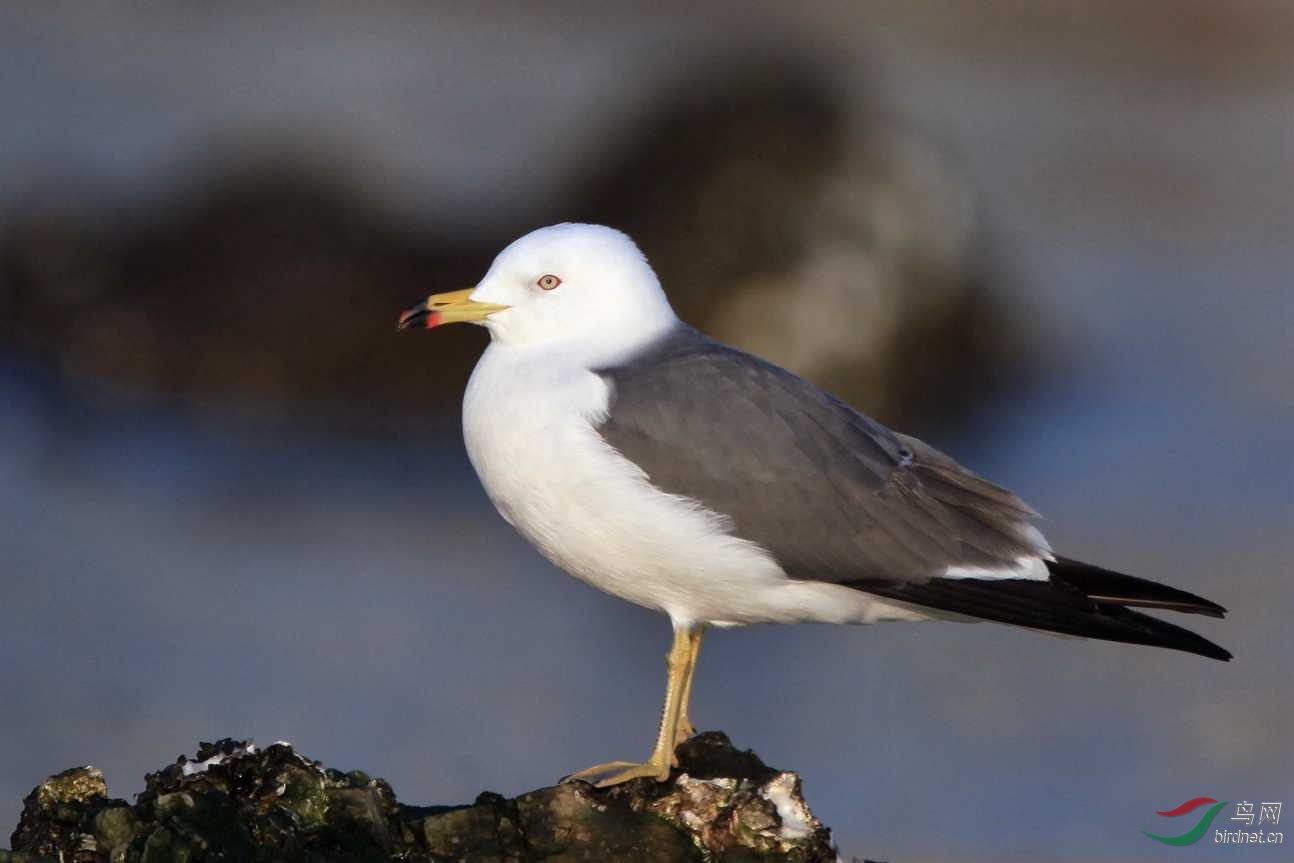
(584, 285)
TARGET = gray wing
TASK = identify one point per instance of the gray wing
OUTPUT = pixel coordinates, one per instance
(835, 496)
(830, 493)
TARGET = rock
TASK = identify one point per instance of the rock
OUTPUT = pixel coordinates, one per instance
(54, 812)
(234, 801)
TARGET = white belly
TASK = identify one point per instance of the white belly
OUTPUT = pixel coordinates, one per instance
(530, 429)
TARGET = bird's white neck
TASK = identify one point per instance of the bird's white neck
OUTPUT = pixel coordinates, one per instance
(592, 348)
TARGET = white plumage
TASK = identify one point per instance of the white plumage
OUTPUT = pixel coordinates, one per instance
(529, 421)
(751, 496)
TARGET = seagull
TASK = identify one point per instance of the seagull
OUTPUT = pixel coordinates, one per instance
(689, 477)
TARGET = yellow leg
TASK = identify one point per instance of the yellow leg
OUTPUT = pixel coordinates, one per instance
(683, 729)
(678, 664)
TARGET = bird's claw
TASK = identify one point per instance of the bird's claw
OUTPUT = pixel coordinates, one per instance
(618, 772)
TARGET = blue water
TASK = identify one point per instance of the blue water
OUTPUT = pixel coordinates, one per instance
(174, 578)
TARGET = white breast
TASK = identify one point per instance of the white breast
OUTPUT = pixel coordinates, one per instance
(529, 422)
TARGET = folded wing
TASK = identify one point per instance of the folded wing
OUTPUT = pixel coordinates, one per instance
(834, 496)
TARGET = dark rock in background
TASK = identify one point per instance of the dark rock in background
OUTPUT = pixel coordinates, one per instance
(843, 251)
(272, 286)
(811, 231)
(236, 802)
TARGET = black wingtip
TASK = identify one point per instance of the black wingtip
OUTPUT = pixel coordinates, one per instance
(1218, 653)
(1107, 586)
(1152, 631)
(1052, 606)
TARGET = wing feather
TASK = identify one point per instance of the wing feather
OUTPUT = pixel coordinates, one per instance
(830, 493)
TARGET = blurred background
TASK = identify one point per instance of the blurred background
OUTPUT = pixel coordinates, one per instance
(1055, 239)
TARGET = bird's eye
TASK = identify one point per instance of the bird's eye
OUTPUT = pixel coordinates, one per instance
(548, 282)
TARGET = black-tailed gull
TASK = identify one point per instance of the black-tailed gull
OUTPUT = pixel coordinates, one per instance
(689, 477)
